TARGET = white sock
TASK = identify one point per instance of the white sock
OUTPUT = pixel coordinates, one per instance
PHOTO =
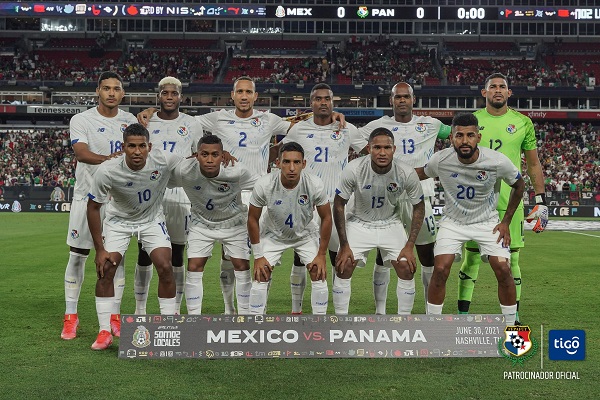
(166, 305)
(426, 273)
(243, 284)
(141, 286)
(319, 297)
(510, 314)
(341, 295)
(297, 285)
(381, 281)
(73, 280)
(228, 285)
(194, 291)
(405, 290)
(258, 297)
(119, 283)
(434, 309)
(179, 275)
(104, 307)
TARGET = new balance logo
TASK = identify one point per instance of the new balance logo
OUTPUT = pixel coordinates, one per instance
(310, 135)
(454, 175)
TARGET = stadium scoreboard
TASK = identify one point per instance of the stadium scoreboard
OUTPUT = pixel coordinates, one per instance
(285, 12)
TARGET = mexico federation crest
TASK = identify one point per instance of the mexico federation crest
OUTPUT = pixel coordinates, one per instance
(154, 175)
(141, 337)
(481, 176)
(16, 207)
(518, 344)
(511, 129)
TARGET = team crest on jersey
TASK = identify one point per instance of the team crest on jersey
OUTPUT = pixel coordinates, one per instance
(393, 187)
(255, 122)
(511, 129)
(74, 234)
(141, 337)
(154, 175)
(123, 127)
(336, 135)
(303, 199)
(182, 131)
(223, 187)
(420, 127)
(481, 176)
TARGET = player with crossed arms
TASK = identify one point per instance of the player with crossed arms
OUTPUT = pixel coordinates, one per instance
(471, 178)
(133, 186)
(218, 214)
(377, 182)
(289, 195)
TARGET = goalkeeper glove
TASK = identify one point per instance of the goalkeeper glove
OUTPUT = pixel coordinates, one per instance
(539, 212)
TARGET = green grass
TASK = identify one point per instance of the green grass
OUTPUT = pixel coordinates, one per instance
(560, 275)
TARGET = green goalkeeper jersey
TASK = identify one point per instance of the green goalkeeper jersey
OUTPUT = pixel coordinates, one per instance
(510, 134)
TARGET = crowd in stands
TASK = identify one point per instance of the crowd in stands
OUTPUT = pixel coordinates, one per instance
(36, 157)
(569, 153)
(380, 60)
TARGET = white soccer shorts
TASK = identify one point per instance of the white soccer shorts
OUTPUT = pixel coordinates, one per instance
(452, 235)
(176, 207)
(201, 241)
(428, 229)
(152, 235)
(390, 240)
(79, 235)
(306, 249)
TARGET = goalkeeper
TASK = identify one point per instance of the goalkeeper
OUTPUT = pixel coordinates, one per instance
(509, 132)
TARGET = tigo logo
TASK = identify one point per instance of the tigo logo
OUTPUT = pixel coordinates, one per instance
(566, 345)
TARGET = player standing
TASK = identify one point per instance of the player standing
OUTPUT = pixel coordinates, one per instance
(133, 186)
(218, 214)
(326, 148)
(177, 133)
(415, 138)
(95, 135)
(511, 133)
(377, 183)
(289, 196)
(470, 176)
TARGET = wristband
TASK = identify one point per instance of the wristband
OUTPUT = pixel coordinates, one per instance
(257, 250)
(540, 198)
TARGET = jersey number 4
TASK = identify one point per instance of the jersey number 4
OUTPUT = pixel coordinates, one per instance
(289, 221)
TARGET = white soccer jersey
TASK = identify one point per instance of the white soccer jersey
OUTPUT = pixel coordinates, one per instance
(289, 214)
(103, 136)
(247, 139)
(472, 189)
(216, 202)
(326, 149)
(178, 136)
(414, 140)
(133, 197)
(376, 195)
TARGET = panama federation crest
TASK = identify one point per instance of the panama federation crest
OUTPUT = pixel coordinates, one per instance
(336, 135)
(511, 129)
(420, 127)
(182, 131)
(154, 175)
(481, 176)
(518, 344)
(392, 187)
(141, 337)
(303, 199)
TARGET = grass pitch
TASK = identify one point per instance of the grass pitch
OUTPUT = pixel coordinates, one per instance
(560, 275)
